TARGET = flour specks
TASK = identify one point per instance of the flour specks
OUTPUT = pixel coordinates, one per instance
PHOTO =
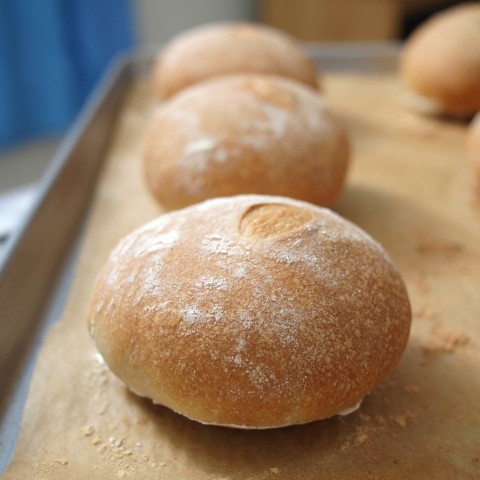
(240, 272)
(205, 144)
(212, 283)
(246, 319)
(158, 242)
(223, 245)
(192, 314)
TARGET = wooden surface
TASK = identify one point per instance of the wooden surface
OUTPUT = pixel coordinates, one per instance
(409, 187)
(334, 20)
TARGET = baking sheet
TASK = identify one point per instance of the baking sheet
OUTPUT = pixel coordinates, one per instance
(35, 268)
(410, 188)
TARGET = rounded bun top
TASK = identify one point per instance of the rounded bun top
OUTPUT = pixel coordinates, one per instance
(441, 61)
(251, 311)
(227, 48)
(246, 133)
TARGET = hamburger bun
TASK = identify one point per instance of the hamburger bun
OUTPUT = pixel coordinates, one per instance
(228, 48)
(251, 311)
(441, 62)
(245, 134)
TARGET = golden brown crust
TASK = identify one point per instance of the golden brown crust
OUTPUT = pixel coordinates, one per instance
(228, 48)
(441, 61)
(246, 134)
(251, 311)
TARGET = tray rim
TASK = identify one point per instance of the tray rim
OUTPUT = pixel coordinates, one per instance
(15, 381)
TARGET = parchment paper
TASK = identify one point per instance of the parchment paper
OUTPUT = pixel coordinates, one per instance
(409, 187)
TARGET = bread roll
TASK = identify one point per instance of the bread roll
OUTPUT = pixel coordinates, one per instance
(246, 134)
(227, 48)
(251, 311)
(441, 62)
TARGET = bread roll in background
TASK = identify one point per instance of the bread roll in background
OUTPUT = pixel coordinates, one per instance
(246, 134)
(227, 48)
(473, 147)
(441, 63)
(251, 311)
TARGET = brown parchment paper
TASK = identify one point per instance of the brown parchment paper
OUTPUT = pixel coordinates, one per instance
(409, 187)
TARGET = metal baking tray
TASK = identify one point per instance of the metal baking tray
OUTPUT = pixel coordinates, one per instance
(37, 268)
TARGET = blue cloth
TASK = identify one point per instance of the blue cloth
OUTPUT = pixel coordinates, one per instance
(52, 53)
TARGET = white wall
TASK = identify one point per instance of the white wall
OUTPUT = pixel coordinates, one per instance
(159, 20)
